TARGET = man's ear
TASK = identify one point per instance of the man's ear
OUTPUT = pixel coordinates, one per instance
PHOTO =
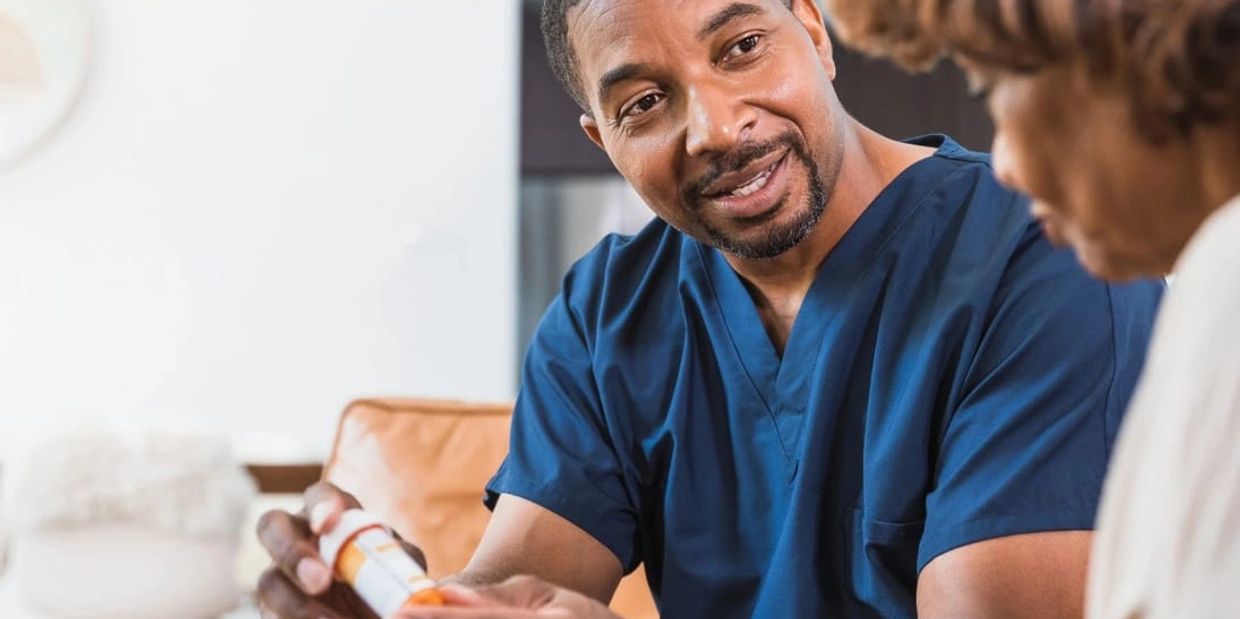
(590, 126)
(810, 16)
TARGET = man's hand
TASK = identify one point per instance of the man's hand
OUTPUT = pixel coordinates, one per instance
(518, 597)
(299, 584)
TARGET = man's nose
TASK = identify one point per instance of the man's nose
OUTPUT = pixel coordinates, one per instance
(716, 121)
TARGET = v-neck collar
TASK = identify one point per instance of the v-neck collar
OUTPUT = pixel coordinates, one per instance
(773, 377)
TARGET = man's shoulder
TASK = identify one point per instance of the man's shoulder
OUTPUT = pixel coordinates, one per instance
(621, 269)
(953, 207)
(963, 184)
(951, 153)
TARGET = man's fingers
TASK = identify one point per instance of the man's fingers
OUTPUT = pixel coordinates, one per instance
(279, 597)
(325, 514)
(323, 505)
(288, 540)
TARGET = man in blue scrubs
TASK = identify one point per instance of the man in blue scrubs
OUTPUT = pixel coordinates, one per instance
(840, 376)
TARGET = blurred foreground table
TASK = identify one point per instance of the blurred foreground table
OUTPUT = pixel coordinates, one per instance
(11, 606)
(280, 485)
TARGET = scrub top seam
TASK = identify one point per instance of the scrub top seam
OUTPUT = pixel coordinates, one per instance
(714, 293)
(1107, 404)
(904, 218)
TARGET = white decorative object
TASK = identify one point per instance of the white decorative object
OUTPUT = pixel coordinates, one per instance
(44, 54)
(136, 524)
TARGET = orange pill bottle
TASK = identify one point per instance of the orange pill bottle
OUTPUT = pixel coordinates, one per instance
(364, 553)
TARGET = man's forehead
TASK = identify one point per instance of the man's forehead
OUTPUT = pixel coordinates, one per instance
(601, 23)
(594, 24)
(607, 31)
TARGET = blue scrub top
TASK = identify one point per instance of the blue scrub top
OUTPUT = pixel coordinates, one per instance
(950, 378)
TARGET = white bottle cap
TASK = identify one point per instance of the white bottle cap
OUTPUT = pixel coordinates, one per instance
(351, 522)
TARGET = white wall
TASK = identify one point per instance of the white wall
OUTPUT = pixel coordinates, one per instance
(264, 208)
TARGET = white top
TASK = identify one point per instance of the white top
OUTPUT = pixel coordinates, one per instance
(1168, 540)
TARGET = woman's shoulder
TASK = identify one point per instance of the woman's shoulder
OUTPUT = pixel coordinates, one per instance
(1208, 272)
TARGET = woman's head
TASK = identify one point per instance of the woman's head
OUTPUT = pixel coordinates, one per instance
(1121, 118)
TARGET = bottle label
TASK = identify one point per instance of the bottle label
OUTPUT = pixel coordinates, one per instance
(381, 572)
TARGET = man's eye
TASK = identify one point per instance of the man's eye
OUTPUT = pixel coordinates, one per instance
(744, 46)
(642, 105)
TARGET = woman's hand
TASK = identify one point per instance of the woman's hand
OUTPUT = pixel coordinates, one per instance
(518, 597)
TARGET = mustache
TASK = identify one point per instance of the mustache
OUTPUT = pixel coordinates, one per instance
(739, 158)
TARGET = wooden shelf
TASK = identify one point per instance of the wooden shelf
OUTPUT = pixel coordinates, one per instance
(285, 478)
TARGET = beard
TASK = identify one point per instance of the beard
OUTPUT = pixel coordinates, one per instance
(774, 238)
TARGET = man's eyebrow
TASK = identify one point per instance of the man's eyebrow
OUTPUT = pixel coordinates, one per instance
(617, 75)
(731, 12)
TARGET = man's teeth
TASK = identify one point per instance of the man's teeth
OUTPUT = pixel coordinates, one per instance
(754, 185)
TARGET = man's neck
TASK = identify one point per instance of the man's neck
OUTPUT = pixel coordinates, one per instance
(779, 285)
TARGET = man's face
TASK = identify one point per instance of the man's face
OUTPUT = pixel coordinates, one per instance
(720, 113)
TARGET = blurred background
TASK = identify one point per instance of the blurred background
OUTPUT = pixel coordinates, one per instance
(250, 212)
(242, 215)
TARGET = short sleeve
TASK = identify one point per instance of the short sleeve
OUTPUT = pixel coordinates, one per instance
(560, 455)
(1025, 449)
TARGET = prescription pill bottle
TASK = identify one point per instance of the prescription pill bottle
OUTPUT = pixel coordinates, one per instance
(361, 551)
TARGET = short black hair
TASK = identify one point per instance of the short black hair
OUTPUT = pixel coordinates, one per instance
(560, 53)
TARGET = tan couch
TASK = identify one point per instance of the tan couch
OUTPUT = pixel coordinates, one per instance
(422, 465)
